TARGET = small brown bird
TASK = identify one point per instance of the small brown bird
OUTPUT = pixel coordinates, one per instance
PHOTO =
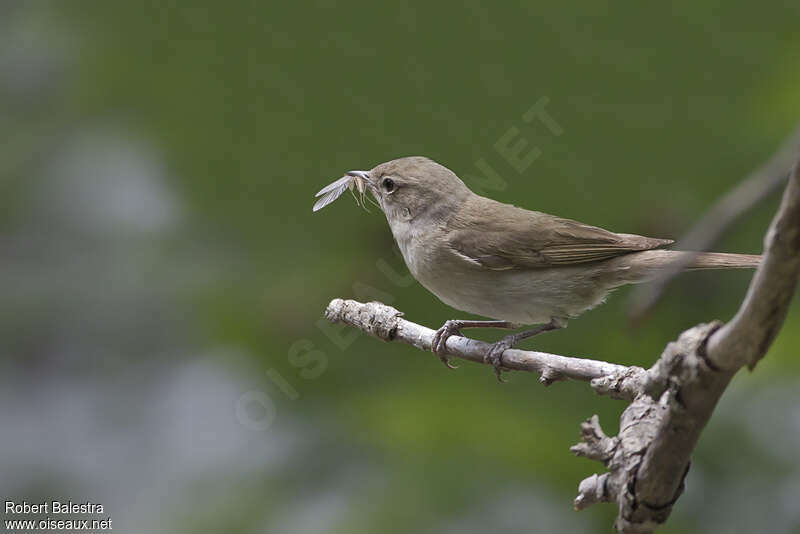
(516, 266)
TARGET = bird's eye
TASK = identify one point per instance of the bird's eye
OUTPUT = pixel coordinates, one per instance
(388, 185)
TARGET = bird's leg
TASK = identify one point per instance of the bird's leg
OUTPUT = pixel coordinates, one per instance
(495, 353)
(453, 327)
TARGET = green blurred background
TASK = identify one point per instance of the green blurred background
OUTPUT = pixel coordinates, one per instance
(164, 278)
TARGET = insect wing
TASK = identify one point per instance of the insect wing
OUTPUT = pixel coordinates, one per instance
(343, 181)
(331, 192)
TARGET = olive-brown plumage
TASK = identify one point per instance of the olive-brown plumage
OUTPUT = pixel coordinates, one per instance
(516, 266)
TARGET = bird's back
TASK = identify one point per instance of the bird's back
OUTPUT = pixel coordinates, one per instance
(502, 236)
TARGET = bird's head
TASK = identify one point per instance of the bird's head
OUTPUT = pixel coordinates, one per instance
(414, 189)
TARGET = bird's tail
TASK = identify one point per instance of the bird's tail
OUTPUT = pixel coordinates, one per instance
(721, 260)
(649, 264)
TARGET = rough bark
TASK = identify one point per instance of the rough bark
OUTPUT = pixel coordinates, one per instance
(659, 430)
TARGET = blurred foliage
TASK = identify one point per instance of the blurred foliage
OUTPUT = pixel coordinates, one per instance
(256, 105)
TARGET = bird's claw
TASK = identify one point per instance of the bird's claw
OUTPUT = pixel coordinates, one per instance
(439, 343)
(494, 356)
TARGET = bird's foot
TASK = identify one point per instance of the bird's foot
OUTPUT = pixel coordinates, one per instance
(494, 355)
(439, 343)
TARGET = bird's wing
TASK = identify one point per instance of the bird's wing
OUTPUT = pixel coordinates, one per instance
(520, 239)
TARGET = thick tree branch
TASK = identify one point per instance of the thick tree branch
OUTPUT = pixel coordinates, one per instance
(746, 338)
(658, 432)
(660, 429)
(386, 323)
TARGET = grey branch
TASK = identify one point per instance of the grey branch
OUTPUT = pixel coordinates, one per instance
(649, 459)
(745, 339)
(753, 189)
(659, 430)
(671, 402)
(386, 323)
